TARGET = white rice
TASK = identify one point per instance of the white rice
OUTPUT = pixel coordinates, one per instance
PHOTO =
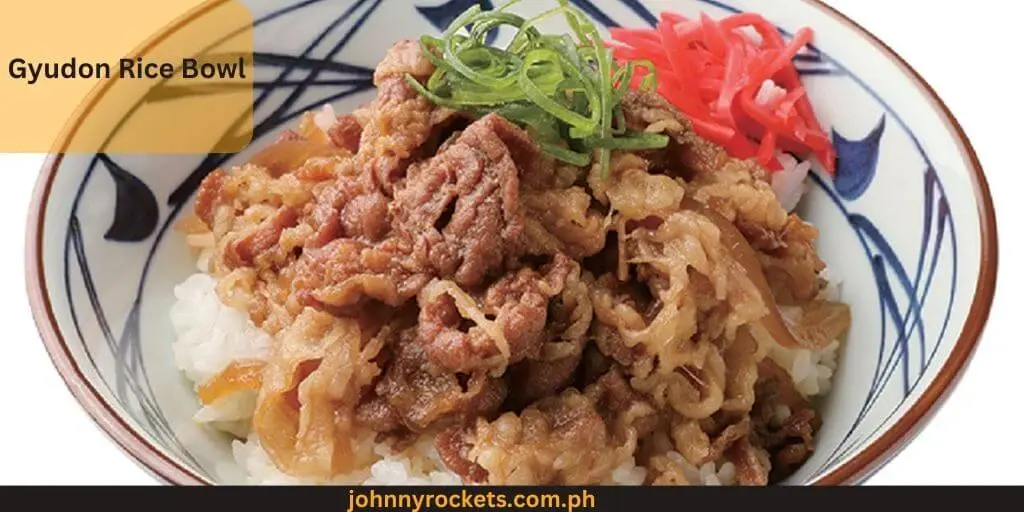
(812, 370)
(210, 335)
(418, 465)
(709, 474)
(628, 473)
(790, 183)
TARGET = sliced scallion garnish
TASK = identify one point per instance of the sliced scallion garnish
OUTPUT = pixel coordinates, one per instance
(565, 91)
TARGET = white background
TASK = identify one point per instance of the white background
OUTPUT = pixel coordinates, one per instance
(964, 49)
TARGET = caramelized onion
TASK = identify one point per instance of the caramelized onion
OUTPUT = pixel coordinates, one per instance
(745, 255)
(817, 323)
(470, 310)
(192, 225)
(286, 155)
(238, 376)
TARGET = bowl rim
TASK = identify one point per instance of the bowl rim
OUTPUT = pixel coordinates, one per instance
(852, 472)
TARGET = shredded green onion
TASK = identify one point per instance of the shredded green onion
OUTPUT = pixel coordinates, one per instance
(565, 92)
(634, 142)
(566, 155)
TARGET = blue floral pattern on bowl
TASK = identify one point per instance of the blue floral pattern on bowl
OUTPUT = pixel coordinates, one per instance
(902, 263)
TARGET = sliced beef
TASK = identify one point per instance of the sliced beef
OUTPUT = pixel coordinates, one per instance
(783, 421)
(423, 395)
(619, 307)
(569, 317)
(534, 379)
(563, 221)
(399, 120)
(346, 132)
(461, 208)
(687, 155)
(420, 273)
(453, 446)
(514, 311)
(377, 415)
(793, 268)
(741, 192)
(700, 442)
(752, 465)
(209, 195)
(625, 412)
(244, 251)
(404, 57)
(349, 208)
(347, 272)
(572, 438)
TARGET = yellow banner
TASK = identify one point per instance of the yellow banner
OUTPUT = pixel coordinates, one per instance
(123, 76)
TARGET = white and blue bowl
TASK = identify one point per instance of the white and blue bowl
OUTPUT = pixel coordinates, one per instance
(908, 224)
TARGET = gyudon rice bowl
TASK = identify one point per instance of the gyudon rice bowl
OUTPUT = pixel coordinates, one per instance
(422, 292)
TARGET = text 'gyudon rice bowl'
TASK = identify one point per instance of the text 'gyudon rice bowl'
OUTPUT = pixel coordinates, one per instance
(534, 264)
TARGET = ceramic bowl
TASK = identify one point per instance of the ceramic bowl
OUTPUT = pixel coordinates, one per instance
(907, 224)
